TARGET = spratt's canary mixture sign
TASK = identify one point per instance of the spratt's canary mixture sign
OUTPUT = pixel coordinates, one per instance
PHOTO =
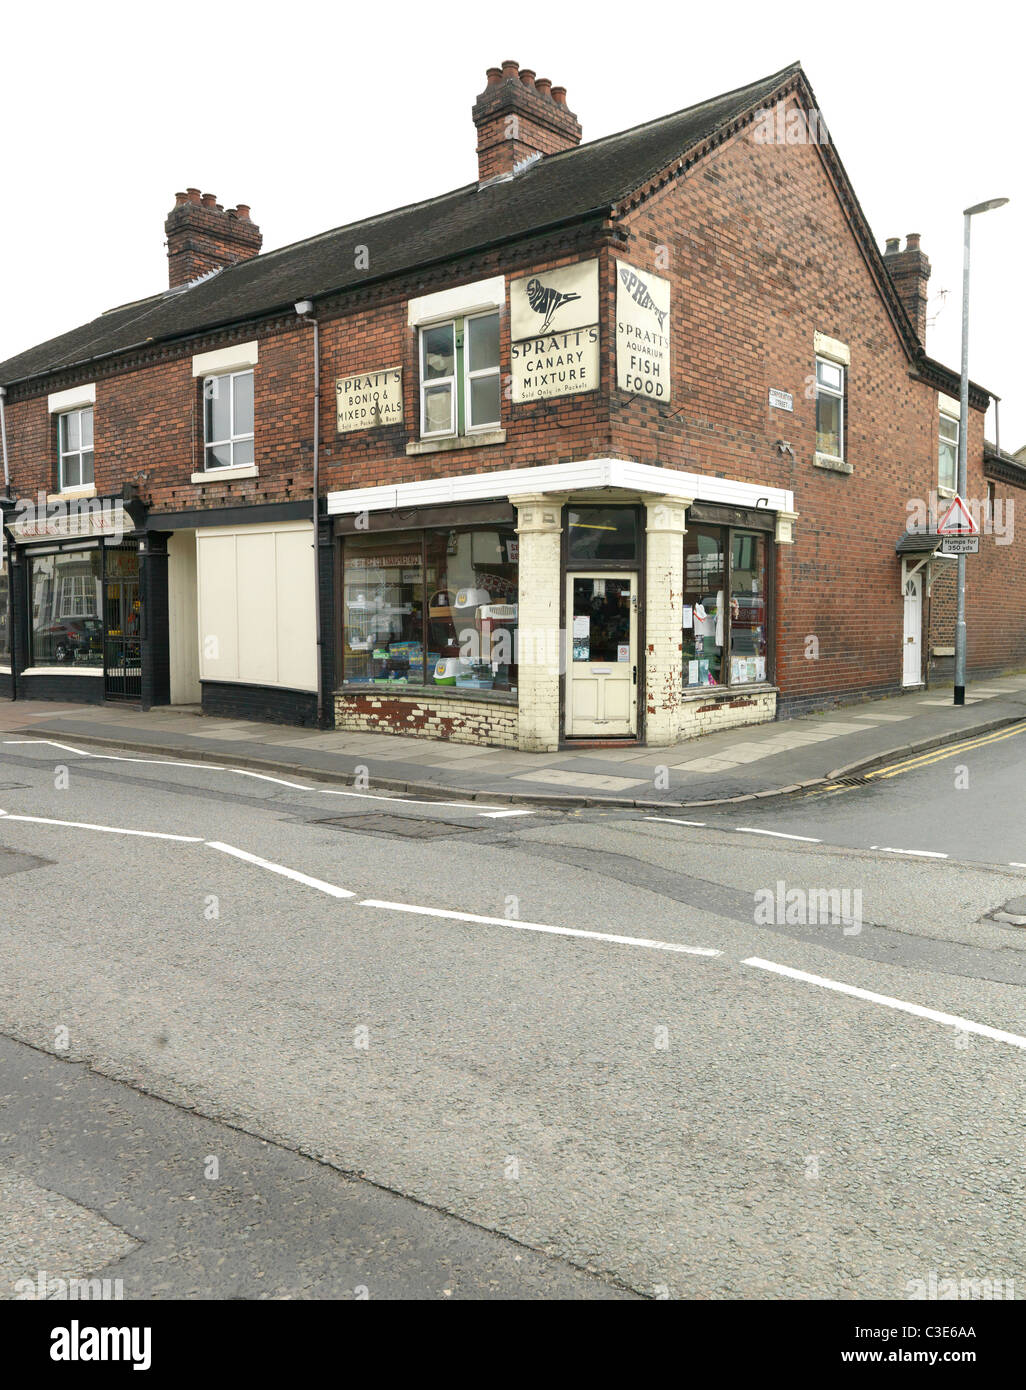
(554, 348)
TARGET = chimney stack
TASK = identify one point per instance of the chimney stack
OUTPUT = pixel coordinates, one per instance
(202, 236)
(910, 272)
(518, 115)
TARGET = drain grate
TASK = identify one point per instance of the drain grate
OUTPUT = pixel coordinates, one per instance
(853, 781)
(409, 827)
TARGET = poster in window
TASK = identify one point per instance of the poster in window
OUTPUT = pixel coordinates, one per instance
(642, 332)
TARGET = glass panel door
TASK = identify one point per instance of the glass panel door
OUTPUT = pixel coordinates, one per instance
(602, 670)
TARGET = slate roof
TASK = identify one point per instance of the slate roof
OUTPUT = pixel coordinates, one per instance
(574, 185)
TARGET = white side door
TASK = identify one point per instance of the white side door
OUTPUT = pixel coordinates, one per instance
(602, 655)
(911, 673)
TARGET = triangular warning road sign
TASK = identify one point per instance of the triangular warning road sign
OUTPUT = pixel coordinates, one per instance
(957, 521)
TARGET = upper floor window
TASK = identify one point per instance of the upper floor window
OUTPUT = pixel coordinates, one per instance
(829, 408)
(75, 434)
(228, 420)
(459, 376)
(947, 455)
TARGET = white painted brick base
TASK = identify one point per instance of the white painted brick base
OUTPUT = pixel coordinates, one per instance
(448, 719)
(708, 714)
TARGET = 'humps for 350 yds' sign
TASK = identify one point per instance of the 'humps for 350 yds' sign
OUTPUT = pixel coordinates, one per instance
(642, 332)
(369, 399)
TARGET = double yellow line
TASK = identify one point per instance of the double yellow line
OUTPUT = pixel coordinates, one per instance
(935, 755)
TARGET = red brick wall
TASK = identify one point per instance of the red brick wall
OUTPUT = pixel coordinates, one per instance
(761, 256)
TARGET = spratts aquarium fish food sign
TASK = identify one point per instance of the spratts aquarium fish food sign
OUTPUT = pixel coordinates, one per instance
(642, 332)
(554, 347)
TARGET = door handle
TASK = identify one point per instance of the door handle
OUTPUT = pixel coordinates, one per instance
(634, 675)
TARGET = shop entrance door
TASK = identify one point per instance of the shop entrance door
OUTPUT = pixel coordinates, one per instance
(602, 664)
(911, 673)
(122, 653)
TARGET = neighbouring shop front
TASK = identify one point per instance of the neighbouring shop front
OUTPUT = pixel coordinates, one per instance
(72, 602)
(595, 601)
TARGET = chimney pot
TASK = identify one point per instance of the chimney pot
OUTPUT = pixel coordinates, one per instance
(544, 125)
(893, 246)
(198, 244)
(912, 241)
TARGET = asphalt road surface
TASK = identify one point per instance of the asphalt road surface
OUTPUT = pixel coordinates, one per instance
(449, 1050)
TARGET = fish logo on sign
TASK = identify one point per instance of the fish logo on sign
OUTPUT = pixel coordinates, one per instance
(544, 300)
(638, 291)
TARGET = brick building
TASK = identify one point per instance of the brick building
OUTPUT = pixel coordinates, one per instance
(628, 439)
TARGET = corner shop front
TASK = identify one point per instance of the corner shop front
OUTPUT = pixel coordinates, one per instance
(596, 600)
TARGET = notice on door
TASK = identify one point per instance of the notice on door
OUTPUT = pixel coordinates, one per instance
(642, 332)
(368, 400)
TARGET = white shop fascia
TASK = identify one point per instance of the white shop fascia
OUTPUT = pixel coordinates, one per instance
(586, 475)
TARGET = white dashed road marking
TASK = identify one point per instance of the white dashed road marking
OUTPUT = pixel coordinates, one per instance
(330, 888)
(965, 1025)
(672, 820)
(266, 777)
(777, 834)
(107, 829)
(920, 853)
(540, 927)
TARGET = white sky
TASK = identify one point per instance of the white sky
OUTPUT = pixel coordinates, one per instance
(316, 118)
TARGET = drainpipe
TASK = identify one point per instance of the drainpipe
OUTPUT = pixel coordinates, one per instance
(3, 439)
(5, 549)
(304, 308)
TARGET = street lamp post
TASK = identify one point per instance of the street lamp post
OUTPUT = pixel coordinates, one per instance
(963, 432)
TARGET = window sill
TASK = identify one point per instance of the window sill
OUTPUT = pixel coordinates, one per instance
(72, 492)
(210, 475)
(945, 491)
(832, 464)
(461, 441)
(441, 692)
(67, 669)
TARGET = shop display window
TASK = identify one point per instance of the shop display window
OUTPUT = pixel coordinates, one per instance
(725, 621)
(384, 609)
(435, 607)
(704, 579)
(66, 592)
(748, 609)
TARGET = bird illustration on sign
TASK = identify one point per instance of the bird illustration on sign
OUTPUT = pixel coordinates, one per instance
(638, 291)
(545, 300)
